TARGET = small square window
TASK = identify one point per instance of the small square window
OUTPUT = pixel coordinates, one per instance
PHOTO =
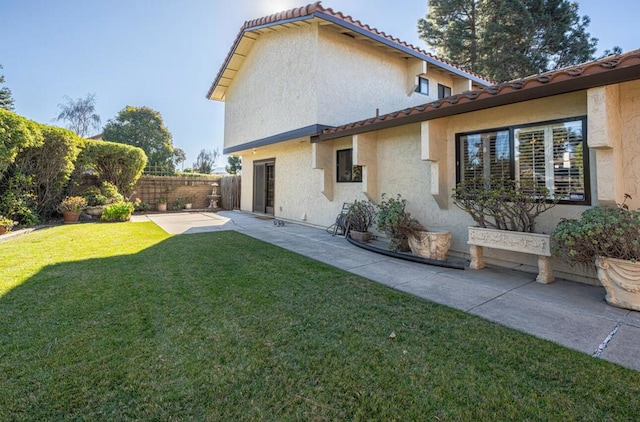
(423, 85)
(346, 171)
(443, 91)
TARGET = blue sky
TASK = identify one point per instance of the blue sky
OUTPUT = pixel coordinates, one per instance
(165, 54)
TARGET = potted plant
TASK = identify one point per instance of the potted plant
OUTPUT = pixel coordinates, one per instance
(609, 238)
(95, 201)
(392, 219)
(424, 243)
(360, 217)
(71, 207)
(505, 211)
(406, 233)
(162, 203)
(6, 224)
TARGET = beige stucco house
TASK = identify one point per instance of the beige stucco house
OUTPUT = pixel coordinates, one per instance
(324, 109)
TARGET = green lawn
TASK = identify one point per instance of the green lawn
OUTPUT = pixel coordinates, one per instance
(121, 321)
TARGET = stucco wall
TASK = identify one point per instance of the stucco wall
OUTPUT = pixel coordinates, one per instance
(296, 77)
(354, 78)
(298, 187)
(630, 109)
(273, 92)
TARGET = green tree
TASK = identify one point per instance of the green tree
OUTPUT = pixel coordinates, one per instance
(179, 156)
(80, 115)
(508, 39)
(234, 164)
(6, 100)
(616, 50)
(143, 127)
(206, 161)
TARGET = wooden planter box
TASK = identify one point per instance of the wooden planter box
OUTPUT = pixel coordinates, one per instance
(531, 243)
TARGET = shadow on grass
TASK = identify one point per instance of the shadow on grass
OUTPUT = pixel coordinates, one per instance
(222, 326)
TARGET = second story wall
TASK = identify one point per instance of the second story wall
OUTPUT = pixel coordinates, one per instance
(355, 77)
(273, 92)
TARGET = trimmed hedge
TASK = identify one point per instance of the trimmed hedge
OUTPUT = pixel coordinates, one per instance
(16, 134)
(117, 163)
(49, 166)
(37, 162)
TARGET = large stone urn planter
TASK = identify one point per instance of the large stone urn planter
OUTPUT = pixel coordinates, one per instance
(94, 211)
(621, 280)
(531, 243)
(430, 245)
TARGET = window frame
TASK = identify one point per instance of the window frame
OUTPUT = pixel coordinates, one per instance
(512, 160)
(442, 87)
(340, 152)
(418, 88)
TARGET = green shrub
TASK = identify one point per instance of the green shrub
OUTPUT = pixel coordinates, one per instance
(110, 191)
(612, 232)
(140, 206)
(119, 164)
(16, 134)
(94, 196)
(18, 201)
(50, 165)
(118, 211)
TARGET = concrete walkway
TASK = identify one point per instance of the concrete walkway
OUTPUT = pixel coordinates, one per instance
(572, 314)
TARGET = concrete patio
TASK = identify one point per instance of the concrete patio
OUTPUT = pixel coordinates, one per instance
(568, 313)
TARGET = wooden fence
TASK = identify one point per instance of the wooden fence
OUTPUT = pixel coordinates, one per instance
(230, 192)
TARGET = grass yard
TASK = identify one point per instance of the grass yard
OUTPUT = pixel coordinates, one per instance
(122, 322)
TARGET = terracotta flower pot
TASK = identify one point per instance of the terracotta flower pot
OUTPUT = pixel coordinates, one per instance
(71, 217)
(360, 236)
(3, 229)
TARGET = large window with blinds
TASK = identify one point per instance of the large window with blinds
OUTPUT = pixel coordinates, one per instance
(551, 155)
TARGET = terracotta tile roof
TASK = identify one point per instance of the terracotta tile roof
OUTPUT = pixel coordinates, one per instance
(608, 70)
(317, 10)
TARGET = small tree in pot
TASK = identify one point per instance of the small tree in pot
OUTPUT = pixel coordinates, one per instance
(503, 204)
(360, 217)
(505, 211)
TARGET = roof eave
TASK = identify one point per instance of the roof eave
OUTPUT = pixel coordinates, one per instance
(397, 45)
(400, 47)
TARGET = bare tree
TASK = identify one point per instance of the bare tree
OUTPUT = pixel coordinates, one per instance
(206, 161)
(80, 114)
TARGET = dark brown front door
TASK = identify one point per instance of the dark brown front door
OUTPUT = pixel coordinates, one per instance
(264, 177)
